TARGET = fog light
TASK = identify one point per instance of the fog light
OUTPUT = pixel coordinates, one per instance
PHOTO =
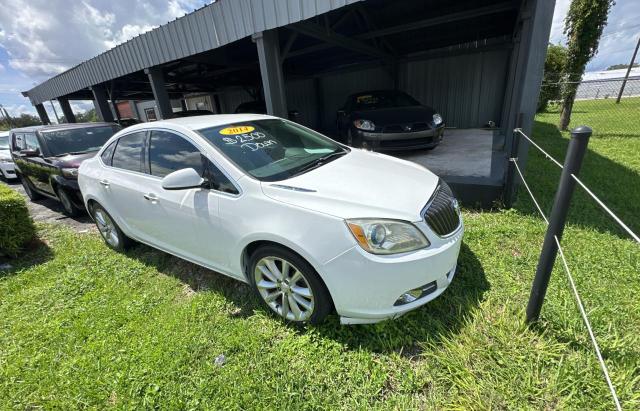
(415, 294)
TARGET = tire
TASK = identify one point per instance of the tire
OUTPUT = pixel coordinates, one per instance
(31, 192)
(109, 230)
(307, 299)
(69, 209)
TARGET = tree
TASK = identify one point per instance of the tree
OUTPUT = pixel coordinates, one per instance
(88, 116)
(554, 67)
(583, 26)
(24, 120)
(621, 66)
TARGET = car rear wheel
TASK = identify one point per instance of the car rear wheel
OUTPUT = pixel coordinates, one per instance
(288, 285)
(109, 230)
(31, 193)
(65, 199)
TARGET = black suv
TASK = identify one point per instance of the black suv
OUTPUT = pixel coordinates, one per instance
(47, 158)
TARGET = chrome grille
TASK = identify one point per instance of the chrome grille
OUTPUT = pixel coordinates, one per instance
(441, 213)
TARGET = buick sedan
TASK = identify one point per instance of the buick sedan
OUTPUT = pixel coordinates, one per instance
(312, 225)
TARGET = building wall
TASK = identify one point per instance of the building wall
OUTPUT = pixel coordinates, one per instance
(467, 89)
(199, 102)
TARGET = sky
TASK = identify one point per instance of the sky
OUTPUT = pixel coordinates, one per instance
(41, 38)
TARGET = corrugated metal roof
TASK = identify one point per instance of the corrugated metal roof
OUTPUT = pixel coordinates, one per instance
(207, 28)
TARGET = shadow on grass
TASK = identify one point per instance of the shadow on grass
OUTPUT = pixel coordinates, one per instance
(196, 279)
(429, 324)
(614, 183)
(36, 253)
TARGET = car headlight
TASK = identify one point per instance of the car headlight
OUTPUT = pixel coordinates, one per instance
(387, 236)
(437, 119)
(70, 173)
(366, 125)
(6, 160)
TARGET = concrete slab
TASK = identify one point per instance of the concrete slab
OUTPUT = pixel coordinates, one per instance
(462, 153)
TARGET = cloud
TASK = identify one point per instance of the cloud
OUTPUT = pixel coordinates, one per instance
(15, 110)
(618, 39)
(45, 37)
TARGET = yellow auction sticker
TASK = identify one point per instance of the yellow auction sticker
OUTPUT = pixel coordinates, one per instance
(231, 131)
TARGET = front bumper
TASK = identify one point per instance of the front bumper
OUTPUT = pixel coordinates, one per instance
(365, 287)
(403, 141)
(8, 170)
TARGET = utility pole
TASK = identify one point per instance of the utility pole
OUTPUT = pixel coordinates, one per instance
(624, 82)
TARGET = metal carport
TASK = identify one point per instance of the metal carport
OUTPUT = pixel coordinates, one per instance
(475, 61)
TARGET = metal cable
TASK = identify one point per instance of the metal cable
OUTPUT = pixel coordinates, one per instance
(595, 198)
(603, 366)
(549, 156)
(604, 206)
(583, 313)
(515, 162)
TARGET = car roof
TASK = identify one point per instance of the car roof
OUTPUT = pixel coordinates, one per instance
(64, 126)
(4, 134)
(200, 122)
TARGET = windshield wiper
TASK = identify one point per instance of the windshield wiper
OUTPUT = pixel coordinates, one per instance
(319, 162)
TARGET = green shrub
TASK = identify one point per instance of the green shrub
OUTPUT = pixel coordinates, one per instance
(16, 226)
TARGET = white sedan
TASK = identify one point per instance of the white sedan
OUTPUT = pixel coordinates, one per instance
(310, 224)
(7, 168)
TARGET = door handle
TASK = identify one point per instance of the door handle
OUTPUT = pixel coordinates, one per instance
(104, 183)
(151, 197)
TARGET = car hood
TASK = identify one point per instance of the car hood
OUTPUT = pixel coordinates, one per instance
(360, 184)
(74, 160)
(396, 115)
(5, 154)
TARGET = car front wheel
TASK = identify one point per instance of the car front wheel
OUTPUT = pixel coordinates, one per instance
(109, 230)
(65, 199)
(288, 285)
(31, 193)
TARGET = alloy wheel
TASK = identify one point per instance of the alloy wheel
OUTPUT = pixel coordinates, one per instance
(107, 228)
(284, 288)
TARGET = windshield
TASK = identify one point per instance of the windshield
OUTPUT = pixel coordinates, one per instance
(272, 150)
(77, 140)
(4, 142)
(382, 99)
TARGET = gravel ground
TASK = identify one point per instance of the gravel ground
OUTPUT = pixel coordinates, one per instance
(50, 211)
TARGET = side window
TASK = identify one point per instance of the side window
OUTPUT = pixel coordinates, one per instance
(218, 180)
(18, 142)
(169, 152)
(31, 142)
(108, 153)
(128, 152)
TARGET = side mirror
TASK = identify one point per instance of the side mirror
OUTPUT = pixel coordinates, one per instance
(182, 180)
(33, 152)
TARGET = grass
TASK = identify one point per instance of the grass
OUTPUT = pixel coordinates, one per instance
(84, 327)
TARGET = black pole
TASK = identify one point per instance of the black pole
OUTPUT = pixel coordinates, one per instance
(572, 163)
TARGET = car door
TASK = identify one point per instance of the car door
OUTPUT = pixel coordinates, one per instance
(124, 183)
(184, 222)
(36, 168)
